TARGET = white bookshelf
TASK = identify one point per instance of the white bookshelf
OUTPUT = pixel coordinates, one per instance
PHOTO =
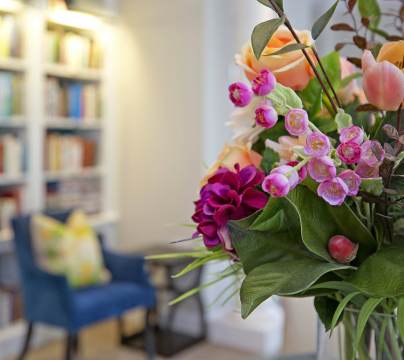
(69, 72)
(12, 64)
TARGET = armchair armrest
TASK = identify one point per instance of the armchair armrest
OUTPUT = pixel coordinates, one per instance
(47, 297)
(126, 267)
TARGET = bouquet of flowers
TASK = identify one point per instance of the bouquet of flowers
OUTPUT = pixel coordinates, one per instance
(308, 199)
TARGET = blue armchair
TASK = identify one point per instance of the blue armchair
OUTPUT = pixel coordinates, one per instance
(48, 299)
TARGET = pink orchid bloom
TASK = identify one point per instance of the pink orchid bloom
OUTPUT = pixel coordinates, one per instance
(383, 83)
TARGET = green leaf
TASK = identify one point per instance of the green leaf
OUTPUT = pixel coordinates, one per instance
(372, 185)
(335, 285)
(267, 3)
(343, 119)
(269, 158)
(283, 277)
(370, 9)
(382, 274)
(341, 307)
(284, 98)
(325, 308)
(320, 221)
(262, 34)
(288, 48)
(322, 21)
(367, 309)
(400, 317)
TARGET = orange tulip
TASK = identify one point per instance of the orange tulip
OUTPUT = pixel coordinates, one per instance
(383, 80)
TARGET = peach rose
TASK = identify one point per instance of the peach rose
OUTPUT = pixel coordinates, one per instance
(290, 69)
(393, 52)
(232, 155)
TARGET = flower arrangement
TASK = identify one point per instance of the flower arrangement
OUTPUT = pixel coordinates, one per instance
(308, 199)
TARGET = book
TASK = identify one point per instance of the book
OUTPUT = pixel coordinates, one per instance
(10, 206)
(10, 94)
(11, 155)
(10, 43)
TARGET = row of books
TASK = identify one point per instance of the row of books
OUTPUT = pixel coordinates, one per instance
(75, 193)
(73, 49)
(11, 155)
(10, 206)
(10, 94)
(72, 99)
(69, 153)
(10, 36)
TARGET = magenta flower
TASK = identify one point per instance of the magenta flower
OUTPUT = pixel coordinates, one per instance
(342, 249)
(372, 153)
(302, 172)
(317, 145)
(264, 83)
(321, 169)
(352, 180)
(289, 172)
(266, 116)
(352, 134)
(367, 172)
(349, 153)
(333, 191)
(297, 122)
(228, 195)
(240, 94)
(277, 185)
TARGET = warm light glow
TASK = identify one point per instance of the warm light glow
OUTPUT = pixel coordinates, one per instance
(10, 5)
(74, 19)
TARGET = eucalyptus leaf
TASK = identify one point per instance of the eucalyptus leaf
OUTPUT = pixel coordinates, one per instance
(367, 309)
(382, 274)
(320, 221)
(263, 33)
(343, 119)
(284, 99)
(288, 48)
(322, 21)
(283, 277)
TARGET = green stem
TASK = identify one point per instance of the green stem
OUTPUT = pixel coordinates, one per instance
(394, 341)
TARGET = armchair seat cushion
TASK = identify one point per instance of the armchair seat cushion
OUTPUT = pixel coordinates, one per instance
(101, 302)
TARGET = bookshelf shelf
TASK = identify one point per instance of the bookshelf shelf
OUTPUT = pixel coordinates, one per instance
(51, 176)
(66, 123)
(69, 72)
(12, 122)
(12, 64)
(6, 180)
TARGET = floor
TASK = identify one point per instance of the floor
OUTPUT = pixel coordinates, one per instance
(101, 343)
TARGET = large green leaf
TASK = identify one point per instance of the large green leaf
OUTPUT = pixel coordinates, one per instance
(283, 277)
(382, 274)
(322, 21)
(370, 9)
(262, 33)
(320, 221)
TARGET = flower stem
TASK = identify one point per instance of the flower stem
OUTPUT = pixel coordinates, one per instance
(301, 164)
(280, 13)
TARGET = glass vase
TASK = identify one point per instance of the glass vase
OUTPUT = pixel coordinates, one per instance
(381, 339)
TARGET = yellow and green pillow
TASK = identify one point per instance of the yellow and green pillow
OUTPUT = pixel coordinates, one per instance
(71, 249)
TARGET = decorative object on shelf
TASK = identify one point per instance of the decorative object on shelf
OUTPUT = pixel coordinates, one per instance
(308, 201)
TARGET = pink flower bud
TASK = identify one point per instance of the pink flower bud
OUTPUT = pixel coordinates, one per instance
(317, 145)
(342, 249)
(289, 172)
(277, 185)
(352, 180)
(351, 134)
(333, 191)
(297, 122)
(264, 83)
(266, 116)
(383, 83)
(349, 153)
(367, 172)
(372, 153)
(240, 94)
(321, 169)
(302, 172)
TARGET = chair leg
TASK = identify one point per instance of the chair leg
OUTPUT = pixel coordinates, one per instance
(27, 340)
(150, 341)
(70, 344)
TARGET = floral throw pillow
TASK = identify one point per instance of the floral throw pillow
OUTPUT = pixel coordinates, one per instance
(71, 249)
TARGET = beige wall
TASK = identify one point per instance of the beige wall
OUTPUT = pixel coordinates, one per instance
(159, 87)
